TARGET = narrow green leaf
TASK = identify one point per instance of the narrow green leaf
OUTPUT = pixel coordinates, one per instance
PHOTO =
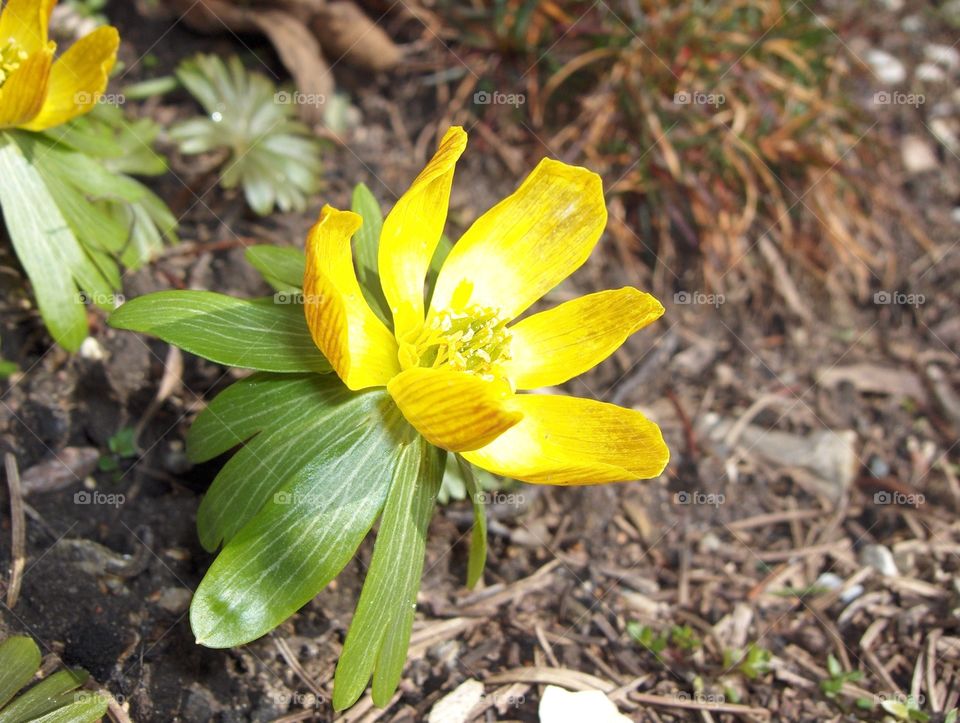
(150, 221)
(286, 421)
(19, 660)
(380, 631)
(366, 246)
(306, 532)
(393, 654)
(257, 334)
(47, 248)
(281, 266)
(478, 535)
(89, 708)
(48, 695)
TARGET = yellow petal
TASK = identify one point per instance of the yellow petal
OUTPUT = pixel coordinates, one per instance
(560, 343)
(25, 21)
(571, 441)
(412, 230)
(358, 346)
(21, 96)
(78, 78)
(453, 410)
(526, 244)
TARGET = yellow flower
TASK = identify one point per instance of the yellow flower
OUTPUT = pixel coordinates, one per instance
(37, 93)
(454, 369)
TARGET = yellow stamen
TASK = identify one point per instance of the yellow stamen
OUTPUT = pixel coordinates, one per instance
(475, 340)
(11, 56)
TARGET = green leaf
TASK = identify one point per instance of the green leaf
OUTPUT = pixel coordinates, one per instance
(19, 660)
(366, 247)
(896, 708)
(44, 697)
(249, 333)
(282, 267)
(87, 709)
(49, 252)
(7, 368)
(478, 535)
(307, 531)
(124, 443)
(379, 634)
(149, 221)
(833, 667)
(285, 421)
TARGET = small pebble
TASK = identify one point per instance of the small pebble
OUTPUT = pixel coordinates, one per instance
(918, 155)
(175, 599)
(930, 73)
(946, 56)
(90, 349)
(886, 67)
(880, 559)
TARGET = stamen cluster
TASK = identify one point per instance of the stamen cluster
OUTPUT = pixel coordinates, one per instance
(474, 340)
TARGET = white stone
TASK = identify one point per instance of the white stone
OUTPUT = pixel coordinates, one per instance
(880, 559)
(455, 706)
(930, 73)
(559, 705)
(90, 349)
(886, 67)
(946, 56)
(917, 154)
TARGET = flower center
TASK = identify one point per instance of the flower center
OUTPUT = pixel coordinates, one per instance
(474, 340)
(11, 56)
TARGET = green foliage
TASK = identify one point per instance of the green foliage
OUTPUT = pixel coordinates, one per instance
(54, 699)
(267, 334)
(752, 664)
(8, 368)
(72, 212)
(832, 686)
(309, 528)
(478, 535)
(680, 637)
(379, 634)
(281, 267)
(272, 156)
(905, 710)
(655, 643)
(366, 243)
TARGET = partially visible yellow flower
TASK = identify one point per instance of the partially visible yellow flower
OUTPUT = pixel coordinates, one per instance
(454, 369)
(37, 92)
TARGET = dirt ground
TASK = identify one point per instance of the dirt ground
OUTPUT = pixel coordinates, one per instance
(835, 535)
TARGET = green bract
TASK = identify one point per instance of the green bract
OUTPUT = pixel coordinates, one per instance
(316, 466)
(72, 212)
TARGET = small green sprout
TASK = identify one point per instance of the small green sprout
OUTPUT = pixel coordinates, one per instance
(832, 686)
(905, 709)
(122, 445)
(680, 637)
(752, 663)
